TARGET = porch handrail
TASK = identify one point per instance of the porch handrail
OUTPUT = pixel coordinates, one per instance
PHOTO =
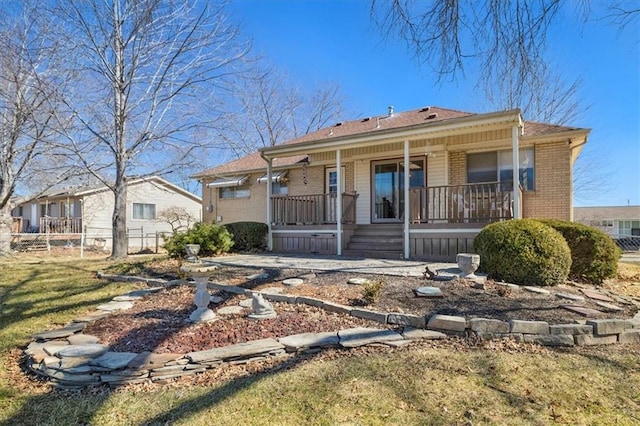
(61, 225)
(317, 209)
(473, 202)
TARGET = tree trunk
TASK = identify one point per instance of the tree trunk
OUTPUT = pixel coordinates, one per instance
(5, 229)
(119, 221)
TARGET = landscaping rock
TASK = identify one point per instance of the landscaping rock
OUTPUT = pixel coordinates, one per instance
(537, 290)
(230, 310)
(148, 360)
(569, 296)
(354, 337)
(292, 282)
(590, 340)
(115, 306)
(246, 303)
(91, 316)
(240, 350)
(82, 339)
(585, 312)
(70, 329)
(610, 307)
(271, 290)
(303, 341)
(572, 329)
(529, 327)
(310, 301)
(608, 326)
(549, 340)
(592, 294)
(216, 300)
(358, 281)
(447, 323)
(427, 291)
(82, 351)
(406, 319)
(261, 276)
(113, 360)
(336, 308)
(632, 336)
(486, 325)
(418, 334)
(367, 314)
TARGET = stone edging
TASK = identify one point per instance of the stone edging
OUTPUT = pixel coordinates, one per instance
(71, 359)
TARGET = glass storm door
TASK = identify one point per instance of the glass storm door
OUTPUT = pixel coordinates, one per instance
(388, 188)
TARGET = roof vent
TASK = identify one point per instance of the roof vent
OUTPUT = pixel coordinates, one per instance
(331, 132)
(364, 120)
(425, 109)
(378, 123)
(390, 110)
(339, 123)
(432, 115)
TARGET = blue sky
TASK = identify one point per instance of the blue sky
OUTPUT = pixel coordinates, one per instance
(336, 41)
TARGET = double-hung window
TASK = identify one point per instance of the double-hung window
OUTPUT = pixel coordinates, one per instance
(496, 166)
(144, 211)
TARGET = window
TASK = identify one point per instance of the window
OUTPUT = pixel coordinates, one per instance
(629, 227)
(495, 166)
(331, 179)
(279, 188)
(144, 211)
(240, 191)
(68, 209)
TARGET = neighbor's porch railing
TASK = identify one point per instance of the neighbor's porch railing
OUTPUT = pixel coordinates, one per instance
(312, 209)
(60, 225)
(470, 203)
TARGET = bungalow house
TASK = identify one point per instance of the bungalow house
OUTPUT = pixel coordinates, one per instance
(63, 214)
(418, 184)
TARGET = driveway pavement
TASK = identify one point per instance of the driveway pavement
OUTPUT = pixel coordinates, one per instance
(332, 263)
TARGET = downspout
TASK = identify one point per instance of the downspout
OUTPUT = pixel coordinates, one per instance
(269, 190)
(339, 201)
(407, 201)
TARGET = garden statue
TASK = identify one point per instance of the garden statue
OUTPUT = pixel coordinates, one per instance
(192, 252)
(261, 309)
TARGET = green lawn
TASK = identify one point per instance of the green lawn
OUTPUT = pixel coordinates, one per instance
(448, 382)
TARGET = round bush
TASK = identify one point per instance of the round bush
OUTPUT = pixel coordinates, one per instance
(213, 240)
(524, 252)
(594, 255)
(248, 236)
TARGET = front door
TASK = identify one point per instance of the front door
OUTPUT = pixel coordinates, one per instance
(388, 187)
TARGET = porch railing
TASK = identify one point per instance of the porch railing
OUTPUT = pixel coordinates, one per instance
(61, 225)
(470, 203)
(312, 209)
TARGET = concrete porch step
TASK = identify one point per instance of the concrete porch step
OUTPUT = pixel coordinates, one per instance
(375, 254)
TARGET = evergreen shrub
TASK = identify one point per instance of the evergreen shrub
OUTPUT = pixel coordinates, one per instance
(248, 236)
(213, 240)
(594, 255)
(524, 252)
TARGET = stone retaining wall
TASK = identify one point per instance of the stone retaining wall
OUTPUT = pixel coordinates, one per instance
(71, 359)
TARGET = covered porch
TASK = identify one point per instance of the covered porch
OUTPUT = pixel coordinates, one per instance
(404, 188)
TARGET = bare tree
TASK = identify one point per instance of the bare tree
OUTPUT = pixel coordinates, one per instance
(29, 85)
(177, 217)
(268, 109)
(148, 71)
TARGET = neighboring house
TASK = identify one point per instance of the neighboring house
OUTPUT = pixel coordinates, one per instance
(63, 214)
(460, 178)
(617, 221)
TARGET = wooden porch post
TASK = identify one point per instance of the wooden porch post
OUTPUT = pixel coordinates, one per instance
(517, 214)
(407, 199)
(339, 201)
(269, 202)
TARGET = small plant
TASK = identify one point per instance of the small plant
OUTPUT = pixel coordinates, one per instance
(371, 290)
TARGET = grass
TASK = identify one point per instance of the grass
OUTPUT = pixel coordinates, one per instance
(448, 382)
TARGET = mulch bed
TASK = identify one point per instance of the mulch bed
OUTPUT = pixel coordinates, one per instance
(160, 322)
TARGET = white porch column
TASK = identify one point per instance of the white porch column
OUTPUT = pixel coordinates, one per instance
(515, 131)
(339, 201)
(269, 202)
(407, 199)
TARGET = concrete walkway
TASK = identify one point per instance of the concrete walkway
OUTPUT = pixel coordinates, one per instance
(402, 268)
